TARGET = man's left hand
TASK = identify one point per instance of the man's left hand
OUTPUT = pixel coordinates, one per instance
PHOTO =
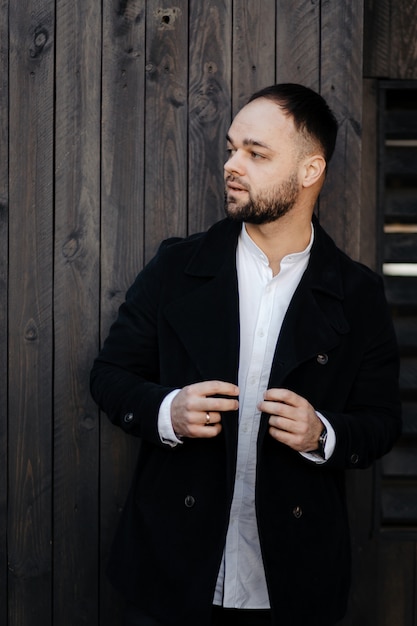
(293, 421)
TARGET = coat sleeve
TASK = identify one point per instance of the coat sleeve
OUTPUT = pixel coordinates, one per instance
(124, 380)
(371, 422)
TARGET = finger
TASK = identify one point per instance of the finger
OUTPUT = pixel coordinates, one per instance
(286, 396)
(211, 418)
(277, 408)
(280, 423)
(206, 431)
(218, 388)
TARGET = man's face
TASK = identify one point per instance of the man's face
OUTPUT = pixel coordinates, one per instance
(262, 172)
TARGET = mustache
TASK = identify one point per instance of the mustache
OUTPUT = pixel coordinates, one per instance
(235, 179)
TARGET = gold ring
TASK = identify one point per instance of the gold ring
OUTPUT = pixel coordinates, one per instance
(207, 418)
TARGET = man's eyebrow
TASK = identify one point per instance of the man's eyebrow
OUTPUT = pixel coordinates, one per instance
(251, 142)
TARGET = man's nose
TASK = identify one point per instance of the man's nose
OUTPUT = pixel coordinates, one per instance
(234, 164)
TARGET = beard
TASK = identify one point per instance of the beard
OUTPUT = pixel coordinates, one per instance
(266, 207)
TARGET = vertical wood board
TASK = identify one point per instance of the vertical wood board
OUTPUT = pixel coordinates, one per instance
(30, 312)
(403, 39)
(77, 196)
(122, 240)
(253, 51)
(298, 42)
(4, 213)
(166, 121)
(209, 110)
(341, 86)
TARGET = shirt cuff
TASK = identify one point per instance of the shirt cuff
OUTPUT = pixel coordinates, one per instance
(329, 445)
(165, 429)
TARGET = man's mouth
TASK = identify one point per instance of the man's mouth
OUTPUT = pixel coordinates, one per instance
(235, 187)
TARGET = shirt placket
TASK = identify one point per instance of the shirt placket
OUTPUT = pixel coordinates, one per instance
(243, 501)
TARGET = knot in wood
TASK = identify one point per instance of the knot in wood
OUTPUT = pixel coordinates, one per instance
(31, 331)
(41, 37)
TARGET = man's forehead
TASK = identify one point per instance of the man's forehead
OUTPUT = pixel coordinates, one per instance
(260, 122)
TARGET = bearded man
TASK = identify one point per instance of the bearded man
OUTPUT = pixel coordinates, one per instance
(257, 363)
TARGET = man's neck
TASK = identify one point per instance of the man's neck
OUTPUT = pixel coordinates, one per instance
(280, 238)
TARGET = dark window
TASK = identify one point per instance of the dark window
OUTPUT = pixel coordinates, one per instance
(397, 200)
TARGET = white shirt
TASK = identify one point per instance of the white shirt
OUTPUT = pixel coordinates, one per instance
(263, 303)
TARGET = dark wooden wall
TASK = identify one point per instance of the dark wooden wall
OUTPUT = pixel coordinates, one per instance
(113, 116)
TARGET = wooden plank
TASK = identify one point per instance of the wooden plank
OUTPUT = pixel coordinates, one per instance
(210, 109)
(298, 42)
(377, 41)
(4, 210)
(360, 496)
(122, 240)
(395, 573)
(166, 121)
(403, 58)
(400, 204)
(253, 52)
(30, 312)
(401, 461)
(402, 123)
(406, 331)
(399, 504)
(370, 231)
(401, 290)
(341, 85)
(77, 185)
(401, 162)
(400, 247)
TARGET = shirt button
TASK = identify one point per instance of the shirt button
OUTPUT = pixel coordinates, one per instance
(189, 502)
(354, 458)
(128, 418)
(322, 359)
(297, 512)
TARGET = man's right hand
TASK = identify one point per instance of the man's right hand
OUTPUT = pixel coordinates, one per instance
(195, 410)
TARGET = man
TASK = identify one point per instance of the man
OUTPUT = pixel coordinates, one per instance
(257, 363)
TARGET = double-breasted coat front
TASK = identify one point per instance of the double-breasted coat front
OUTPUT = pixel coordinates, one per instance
(180, 325)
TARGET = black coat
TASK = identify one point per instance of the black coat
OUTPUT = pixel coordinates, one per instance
(179, 325)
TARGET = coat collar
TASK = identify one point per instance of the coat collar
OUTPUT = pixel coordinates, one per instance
(207, 317)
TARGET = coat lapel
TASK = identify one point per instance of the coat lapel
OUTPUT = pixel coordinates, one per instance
(315, 319)
(206, 317)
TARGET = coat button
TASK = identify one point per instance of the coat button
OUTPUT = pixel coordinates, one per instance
(128, 418)
(354, 458)
(297, 512)
(322, 359)
(189, 501)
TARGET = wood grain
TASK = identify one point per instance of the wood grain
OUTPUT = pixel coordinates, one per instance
(165, 145)
(209, 110)
(341, 85)
(122, 240)
(298, 42)
(4, 216)
(403, 48)
(253, 51)
(77, 213)
(112, 138)
(30, 346)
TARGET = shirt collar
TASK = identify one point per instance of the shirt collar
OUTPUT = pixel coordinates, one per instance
(255, 251)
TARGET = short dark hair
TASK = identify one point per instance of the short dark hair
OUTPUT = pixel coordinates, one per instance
(309, 110)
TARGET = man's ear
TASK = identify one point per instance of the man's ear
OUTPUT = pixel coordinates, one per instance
(314, 168)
